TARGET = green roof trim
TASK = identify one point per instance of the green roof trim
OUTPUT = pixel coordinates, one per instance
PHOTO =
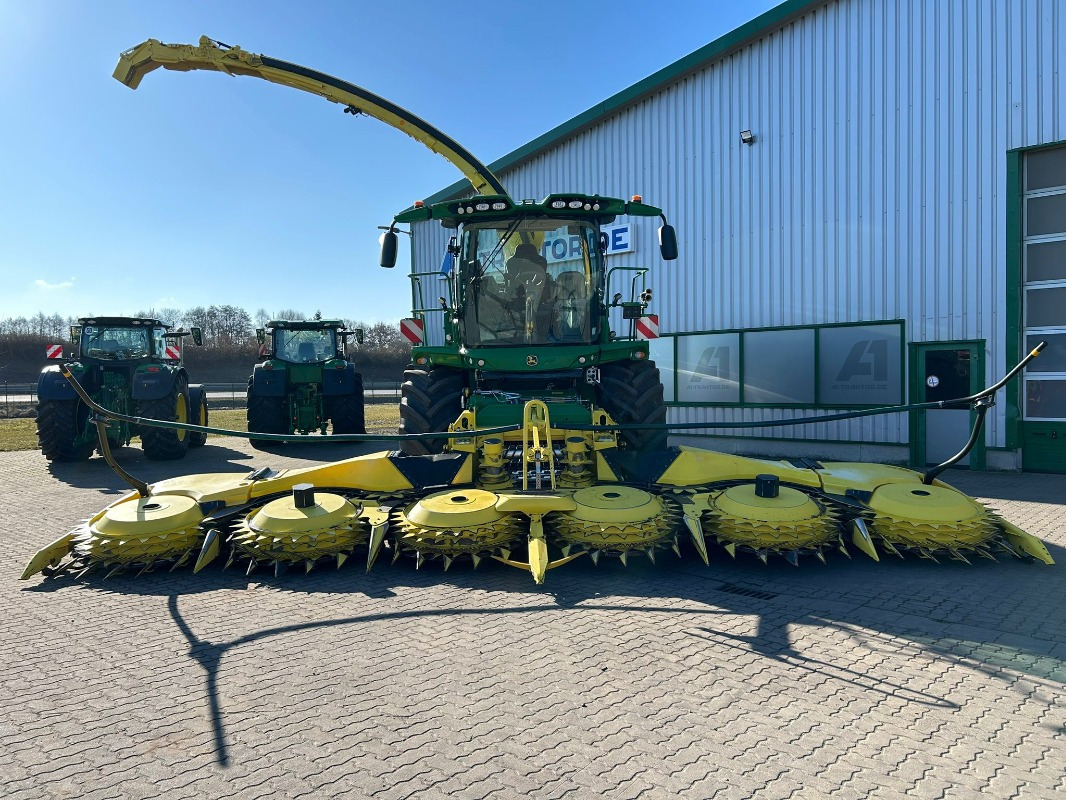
(767, 22)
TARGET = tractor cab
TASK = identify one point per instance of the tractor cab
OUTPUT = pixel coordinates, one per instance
(305, 346)
(129, 339)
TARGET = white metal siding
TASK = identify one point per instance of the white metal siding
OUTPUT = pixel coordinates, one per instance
(875, 188)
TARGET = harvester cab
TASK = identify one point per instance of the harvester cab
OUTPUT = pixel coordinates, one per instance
(527, 317)
(306, 381)
(130, 365)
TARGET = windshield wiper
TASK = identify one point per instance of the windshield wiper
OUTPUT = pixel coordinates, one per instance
(507, 234)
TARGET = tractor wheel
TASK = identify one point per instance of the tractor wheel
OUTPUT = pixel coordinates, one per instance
(162, 444)
(266, 414)
(57, 428)
(632, 392)
(199, 417)
(346, 411)
(429, 401)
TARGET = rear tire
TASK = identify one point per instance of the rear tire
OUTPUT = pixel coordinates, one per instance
(266, 414)
(430, 400)
(632, 393)
(58, 427)
(199, 417)
(165, 444)
(346, 412)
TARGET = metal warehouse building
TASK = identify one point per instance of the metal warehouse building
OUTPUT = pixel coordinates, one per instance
(870, 200)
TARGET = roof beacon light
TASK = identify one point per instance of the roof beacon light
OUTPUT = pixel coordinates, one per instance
(637, 199)
(420, 203)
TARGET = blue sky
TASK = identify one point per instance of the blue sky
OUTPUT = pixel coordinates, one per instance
(199, 188)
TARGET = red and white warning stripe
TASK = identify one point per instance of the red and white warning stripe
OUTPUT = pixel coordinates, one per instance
(172, 351)
(262, 350)
(414, 330)
(53, 351)
(648, 327)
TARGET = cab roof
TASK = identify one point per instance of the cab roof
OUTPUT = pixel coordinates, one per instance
(305, 324)
(499, 206)
(150, 322)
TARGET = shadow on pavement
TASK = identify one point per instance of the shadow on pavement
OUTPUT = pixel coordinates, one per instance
(867, 604)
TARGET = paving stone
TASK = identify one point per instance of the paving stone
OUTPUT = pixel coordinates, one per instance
(857, 680)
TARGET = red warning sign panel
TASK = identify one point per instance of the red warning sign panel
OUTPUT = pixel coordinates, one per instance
(262, 350)
(53, 351)
(648, 327)
(172, 351)
(414, 330)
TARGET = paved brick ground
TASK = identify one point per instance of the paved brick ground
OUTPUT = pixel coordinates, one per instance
(854, 680)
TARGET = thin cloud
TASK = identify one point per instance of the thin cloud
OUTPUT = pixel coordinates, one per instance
(43, 284)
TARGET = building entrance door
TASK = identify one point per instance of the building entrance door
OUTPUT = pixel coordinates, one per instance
(945, 371)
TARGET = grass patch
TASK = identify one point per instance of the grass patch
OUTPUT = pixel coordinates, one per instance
(21, 434)
(18, 434)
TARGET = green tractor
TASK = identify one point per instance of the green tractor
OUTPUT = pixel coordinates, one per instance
(131, 365)
(306, 381)
(528, 316)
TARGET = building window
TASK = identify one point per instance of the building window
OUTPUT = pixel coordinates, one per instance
(1044, 283)
(809, 366)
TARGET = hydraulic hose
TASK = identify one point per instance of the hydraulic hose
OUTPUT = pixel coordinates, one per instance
(99, 410)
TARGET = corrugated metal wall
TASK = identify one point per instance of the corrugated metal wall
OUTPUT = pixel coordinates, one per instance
(875, 189)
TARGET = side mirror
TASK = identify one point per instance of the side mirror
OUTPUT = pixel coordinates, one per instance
(359, 335)
(75, 334)
(389, 243)
(668, 242)
(260, 335)
(197, 335)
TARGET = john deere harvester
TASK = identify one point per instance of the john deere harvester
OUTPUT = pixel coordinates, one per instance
(306, 381)
(532, 434)
(130, 365)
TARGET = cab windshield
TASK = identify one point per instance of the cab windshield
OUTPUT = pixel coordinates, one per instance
(531, 283)
(304, 347)
(114, 344)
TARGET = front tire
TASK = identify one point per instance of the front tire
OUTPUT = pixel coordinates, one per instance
(164, 444)
(430, 400)
(57, 428)
(632, 393)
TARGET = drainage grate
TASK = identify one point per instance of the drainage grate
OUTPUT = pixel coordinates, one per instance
(745, 592)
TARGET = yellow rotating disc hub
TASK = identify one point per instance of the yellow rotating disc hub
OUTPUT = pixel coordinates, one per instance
(144, 530)
(282, 531)
(930, 518)
(615, 519)
(453, 523)
(789, 521)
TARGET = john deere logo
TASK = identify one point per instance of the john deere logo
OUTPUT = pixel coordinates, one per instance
(531, 361)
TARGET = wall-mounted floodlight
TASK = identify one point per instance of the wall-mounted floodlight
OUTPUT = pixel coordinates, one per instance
(747, 137)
